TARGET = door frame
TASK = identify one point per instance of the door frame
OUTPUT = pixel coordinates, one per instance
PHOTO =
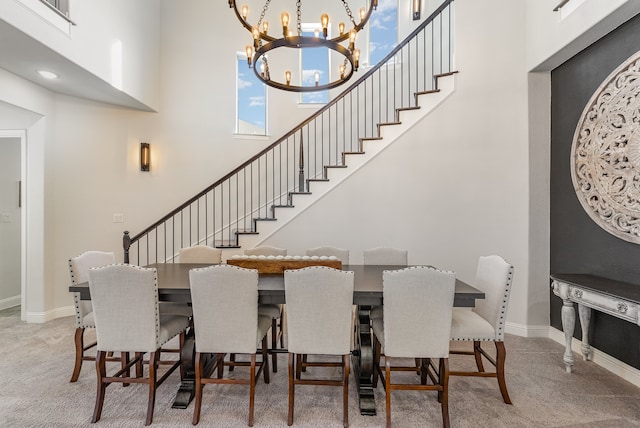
(22, 136)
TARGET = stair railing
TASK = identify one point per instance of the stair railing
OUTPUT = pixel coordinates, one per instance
(253, 191)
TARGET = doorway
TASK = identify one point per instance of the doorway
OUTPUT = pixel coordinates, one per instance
(12, 278)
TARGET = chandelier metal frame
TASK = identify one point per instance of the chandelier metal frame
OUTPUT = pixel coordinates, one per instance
(264, 42)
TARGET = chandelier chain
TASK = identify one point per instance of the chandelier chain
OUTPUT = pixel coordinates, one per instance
(264, 11)
(349, 13)
(299, 12)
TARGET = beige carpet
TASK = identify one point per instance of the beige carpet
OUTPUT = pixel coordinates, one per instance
(36, 362)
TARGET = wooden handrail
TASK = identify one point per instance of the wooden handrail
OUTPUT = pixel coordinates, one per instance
(560, 5)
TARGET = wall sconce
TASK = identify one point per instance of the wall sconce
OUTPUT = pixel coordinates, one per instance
(416, 9)
(145, 157)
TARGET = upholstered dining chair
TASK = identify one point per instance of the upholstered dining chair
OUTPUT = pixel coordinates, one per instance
(384, 256)
(199, 254)
(319, 300)
(276, 312)
(221, 328)
(79, 269)
(125, 307)
(343, 255)
(340, 253)
(418, 303)
(485, 323)
(195, 254)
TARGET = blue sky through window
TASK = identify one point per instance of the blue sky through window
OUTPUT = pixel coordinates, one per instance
(252, 107)
(315, 60)
(383, 30)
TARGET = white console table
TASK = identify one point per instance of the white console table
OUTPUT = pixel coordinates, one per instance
(620, 299)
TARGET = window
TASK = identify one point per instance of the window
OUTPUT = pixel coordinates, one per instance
(314, 62)
(383, 30)
(251, 94)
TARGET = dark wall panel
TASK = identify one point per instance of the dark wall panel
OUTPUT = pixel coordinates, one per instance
(578, 244)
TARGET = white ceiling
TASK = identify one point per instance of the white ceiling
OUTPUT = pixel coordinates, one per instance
(23, 56)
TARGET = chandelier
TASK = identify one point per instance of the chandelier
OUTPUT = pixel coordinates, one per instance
(270, 53)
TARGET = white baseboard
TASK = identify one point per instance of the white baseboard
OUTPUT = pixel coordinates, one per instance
(42, 317)
(523, 330)
(617, 367)
(10, 302)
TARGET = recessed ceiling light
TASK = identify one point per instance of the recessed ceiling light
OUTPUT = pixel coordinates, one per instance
(48, 74)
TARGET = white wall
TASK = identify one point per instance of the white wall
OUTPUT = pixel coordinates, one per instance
(88, 44)
(552, 40)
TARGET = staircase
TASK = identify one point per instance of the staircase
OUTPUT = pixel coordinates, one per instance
(263, 194)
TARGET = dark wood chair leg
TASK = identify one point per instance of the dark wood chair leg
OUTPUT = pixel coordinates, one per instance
(124, 361)
(423, 370)
(478, 355)
(232, 359)
(440, 379)
(198, 404)
(252, 388)
(281, 331)
(345, 390)
(299, 366)
(139, 364)
(221, 365)
(101, 371)
(501, 355)
(265, 360)
(444, 394)
(153, 365)
(291, 389)
(79, 342)
(274, 344)
(183, 370)
(387, 389)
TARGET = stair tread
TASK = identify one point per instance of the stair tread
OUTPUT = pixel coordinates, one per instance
(335, 166)
(430, 91)
(449, 73)
(353, 153)
(408, 108)
(300, 193)
(389, 123)
(370, 138)
(283, 206)
(264, 219)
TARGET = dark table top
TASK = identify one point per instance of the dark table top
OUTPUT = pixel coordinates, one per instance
(173, 285)
(610, 287)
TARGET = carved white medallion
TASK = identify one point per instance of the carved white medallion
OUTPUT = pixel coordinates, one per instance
(605, 154)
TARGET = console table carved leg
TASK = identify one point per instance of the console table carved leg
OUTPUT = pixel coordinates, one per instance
(568, 326)
(584, 312)
(568, 314)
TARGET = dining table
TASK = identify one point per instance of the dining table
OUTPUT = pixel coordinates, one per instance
(173, 286)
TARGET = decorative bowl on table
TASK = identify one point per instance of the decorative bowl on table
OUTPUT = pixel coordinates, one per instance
(278, 264)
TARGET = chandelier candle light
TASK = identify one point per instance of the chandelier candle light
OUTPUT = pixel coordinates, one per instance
(265, 41)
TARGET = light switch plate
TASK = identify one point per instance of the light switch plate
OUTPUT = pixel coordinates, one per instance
(118, 218)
